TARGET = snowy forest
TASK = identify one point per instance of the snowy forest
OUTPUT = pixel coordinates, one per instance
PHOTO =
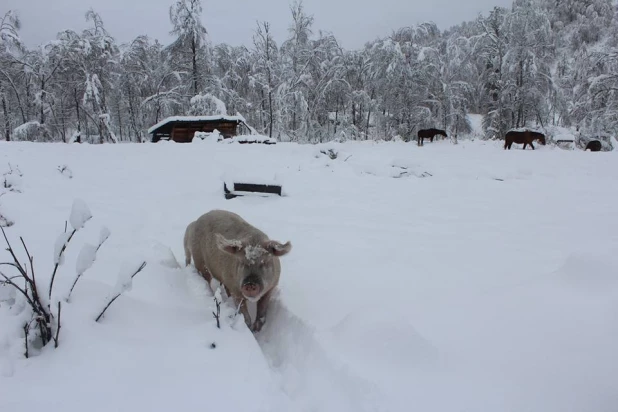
(538, 63)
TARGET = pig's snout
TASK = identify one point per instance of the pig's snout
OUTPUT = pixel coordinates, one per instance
(251, 286)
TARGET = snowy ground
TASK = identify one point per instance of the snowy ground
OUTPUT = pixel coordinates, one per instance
(435, 278)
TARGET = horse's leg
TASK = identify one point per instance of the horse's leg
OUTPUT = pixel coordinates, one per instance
(524, 148)
(531, 145)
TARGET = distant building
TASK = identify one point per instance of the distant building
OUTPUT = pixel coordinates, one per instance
(181, 129)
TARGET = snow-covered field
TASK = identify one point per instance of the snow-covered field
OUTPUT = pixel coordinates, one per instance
(437, 278)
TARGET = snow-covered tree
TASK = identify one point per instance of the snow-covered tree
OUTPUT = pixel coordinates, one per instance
(10, 44)
(189, 52)
(538, 62)
(266, 73)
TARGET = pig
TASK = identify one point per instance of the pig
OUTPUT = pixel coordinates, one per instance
(241, 257)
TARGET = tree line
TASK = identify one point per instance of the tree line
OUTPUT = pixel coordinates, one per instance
(535, 64)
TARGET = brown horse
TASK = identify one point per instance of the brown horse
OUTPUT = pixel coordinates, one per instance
(429, 134)
(594, 146)
(523, 137)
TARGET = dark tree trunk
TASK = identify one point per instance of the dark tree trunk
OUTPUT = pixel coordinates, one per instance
(42, 101)
(79, 121)
(270, 106)
(120, 123)
(263, 103)
(7, 121)
(194, 64)
(336, 116)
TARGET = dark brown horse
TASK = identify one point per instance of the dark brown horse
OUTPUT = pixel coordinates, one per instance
(594, 146)
(523, 137)
(429, 134)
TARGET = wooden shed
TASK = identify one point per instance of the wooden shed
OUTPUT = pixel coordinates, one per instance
(182, 128)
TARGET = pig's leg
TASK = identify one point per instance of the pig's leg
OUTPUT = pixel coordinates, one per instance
(187, 256)
(200, 265)
(187, 245)
(262, 309)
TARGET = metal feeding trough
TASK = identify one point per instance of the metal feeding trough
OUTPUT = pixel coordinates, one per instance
(250, 189)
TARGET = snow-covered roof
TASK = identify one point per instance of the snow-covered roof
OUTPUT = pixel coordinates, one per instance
(195, 119)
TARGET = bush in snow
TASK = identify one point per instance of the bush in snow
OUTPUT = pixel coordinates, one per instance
(5, 221)
(21, 289)
(11, 182)
(331, 153)
(32, 131)
(65, 171)
(12, 179)
(42, 326)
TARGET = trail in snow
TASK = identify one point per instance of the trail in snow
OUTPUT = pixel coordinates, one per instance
(315, 379)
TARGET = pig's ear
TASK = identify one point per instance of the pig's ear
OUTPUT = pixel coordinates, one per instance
(230, 246)
(277, 248)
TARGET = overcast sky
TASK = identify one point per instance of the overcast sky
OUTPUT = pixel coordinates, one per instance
(352, 22)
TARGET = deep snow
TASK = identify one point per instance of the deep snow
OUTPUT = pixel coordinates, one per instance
(436, 278)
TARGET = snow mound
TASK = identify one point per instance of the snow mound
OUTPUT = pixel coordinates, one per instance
(163, 255)
(251, 138)
(382, 341)
(593, 273)
(207, 137)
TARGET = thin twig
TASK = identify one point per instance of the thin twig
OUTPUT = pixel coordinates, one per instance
(108, 305)
(58, 326)
(73, 286)
(14, 277)
(30, 259)
(142, 266)
(18, 267)
(8, 281)
(32, 279)
(26, 333)
(51, 283)
(10, 250)
(217, 315)
(46, 334)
